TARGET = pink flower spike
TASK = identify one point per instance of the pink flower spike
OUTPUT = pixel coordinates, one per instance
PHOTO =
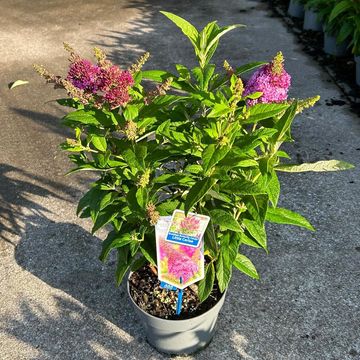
(84, 75)
(271, 80)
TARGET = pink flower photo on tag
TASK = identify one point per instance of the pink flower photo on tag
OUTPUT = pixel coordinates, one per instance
(177, 261)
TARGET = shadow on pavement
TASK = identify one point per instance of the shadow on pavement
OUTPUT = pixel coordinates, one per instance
(18, 191)
(68, 332)
(48, 121)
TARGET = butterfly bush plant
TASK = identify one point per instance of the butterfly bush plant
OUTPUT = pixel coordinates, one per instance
(202, 140)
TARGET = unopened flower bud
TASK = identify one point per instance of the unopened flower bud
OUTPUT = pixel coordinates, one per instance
(152, 213)
(144, 179)
(131, 130)
(135, 68)
(228, 68)
(307, 103)
(277, 64)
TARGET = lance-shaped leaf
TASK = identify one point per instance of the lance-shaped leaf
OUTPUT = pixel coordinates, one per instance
(243, 187)
(273, 188)
(225, 220)
(197, 192)
(257, 231)
(285, 216)
(229, 248)
(188, 29)
(260, 112)
(205, 285)
(245, 265)
(123, 264)
(212, 155)
(284, 123)
(113, 240)
(319, 166)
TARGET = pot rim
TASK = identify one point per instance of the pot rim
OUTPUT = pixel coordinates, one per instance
(180, 321)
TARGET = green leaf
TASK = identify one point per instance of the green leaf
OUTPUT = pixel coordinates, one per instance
(161, 76)
(285, 216)
(168, 207)
(245, 265)
(113, 240)
(210, 240)
(212, 155)
(221, 32)
(84, 202)
(188, 29)
(80, 116)
(260, 112)
(69, 103)
(142, 197)
(229, 248)
(133, 160)
(243, 187)
(147, 256)
(183, 71)
(249, 67)
(197, 192)
(123, 264)
(104, 217)
(206, 285)
(340, 8)
(273, 188)
(319, 166)
(248, 241)
(178, 179)
(257, 206)
(284, 123)
(225, 220)
(208, 73)
(219, 110)
(138, 263)
(99, 142)
(257, 231)
(131, 112)
(194, 168)
(87, 117)
(239, 71)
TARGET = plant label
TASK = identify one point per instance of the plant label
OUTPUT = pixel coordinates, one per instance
(187, 230)
(179, 263)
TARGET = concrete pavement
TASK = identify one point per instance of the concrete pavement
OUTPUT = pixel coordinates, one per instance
(57, 301)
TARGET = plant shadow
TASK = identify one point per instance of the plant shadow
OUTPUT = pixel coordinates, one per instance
(19, 192)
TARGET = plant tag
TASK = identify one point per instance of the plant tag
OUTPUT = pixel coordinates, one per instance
(187, 230)
(166, 286)
(177, 261)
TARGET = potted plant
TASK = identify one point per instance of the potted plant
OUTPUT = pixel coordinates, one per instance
(200, 142)
(347, 14)
(336, 40)
(311, 16)
(296, 8)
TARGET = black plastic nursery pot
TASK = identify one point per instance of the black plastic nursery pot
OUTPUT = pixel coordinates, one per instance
(179, 336)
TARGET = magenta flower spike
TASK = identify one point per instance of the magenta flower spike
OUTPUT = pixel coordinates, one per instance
(271, 80)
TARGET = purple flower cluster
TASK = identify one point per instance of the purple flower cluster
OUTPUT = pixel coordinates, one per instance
(271, 80)
(105, 82)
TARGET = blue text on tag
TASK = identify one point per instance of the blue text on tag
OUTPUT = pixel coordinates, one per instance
(182, 239)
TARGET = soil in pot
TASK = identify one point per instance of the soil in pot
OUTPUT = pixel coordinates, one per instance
(149, 296)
